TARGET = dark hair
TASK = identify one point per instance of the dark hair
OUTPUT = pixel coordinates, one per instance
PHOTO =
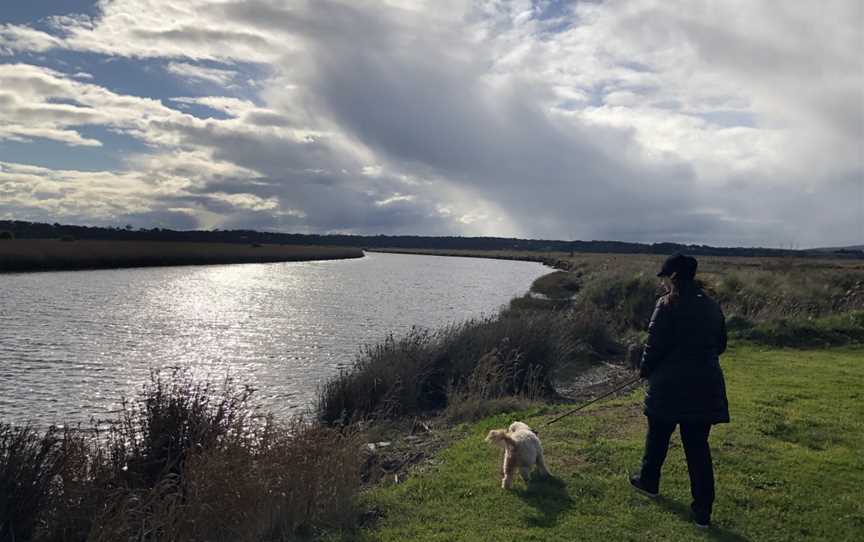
(681, 271)
(680, 286)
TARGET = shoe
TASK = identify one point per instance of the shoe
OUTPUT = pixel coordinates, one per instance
(637, 484)
(701, 520)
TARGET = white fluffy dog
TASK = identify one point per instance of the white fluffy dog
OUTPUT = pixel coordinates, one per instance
(522, 449)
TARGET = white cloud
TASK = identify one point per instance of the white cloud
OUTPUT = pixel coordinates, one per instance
(22, 38)
(70, 193)
(643, 120)
(192, 71)
(248, 201)
(372, 171)
(32, 92)
(395, 198)
(232, 106)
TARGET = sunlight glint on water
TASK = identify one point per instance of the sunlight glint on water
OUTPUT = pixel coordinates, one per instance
(73, 343)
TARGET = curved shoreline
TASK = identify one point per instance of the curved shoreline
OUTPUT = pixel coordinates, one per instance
(33, 255)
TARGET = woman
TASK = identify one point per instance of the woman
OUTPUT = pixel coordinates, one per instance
(686, 335)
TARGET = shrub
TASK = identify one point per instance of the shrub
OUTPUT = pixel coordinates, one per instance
(558, 285)
(514, 354)
(29, 461)
(626, 300)
(529, 302)
(488, 389)
(808, 333)
(738, 323)
(6, 235)
(384, 381)
(463, 407)
(522, 342)
(172, 418)
(185, 461)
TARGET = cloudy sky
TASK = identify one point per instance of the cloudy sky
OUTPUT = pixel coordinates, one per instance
(725, 123)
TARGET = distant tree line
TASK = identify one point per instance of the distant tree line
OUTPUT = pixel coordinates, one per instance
(19, 229)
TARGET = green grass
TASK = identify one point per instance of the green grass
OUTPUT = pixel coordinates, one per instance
(788, 467)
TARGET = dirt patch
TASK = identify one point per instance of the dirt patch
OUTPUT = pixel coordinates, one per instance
(398, 449)
(594, 381)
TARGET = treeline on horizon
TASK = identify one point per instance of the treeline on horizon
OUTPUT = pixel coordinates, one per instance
(20, 229)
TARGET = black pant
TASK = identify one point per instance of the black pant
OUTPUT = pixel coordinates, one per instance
(694, 437)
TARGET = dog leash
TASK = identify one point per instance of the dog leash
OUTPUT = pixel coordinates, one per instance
(592, 401)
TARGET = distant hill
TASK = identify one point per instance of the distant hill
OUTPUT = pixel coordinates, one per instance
(853, 248)
(36, 230)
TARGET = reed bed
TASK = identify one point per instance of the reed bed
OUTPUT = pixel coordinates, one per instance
(58, 254)
(183, 461)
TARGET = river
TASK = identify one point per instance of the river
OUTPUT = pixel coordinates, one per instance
(72, 344)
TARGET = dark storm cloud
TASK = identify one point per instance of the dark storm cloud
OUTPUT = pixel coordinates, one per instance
(431, 109)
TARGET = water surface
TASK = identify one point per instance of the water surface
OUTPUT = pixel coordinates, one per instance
(73, 343)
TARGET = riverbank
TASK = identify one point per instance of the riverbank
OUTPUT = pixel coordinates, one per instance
(19, 255)
(558, 260)
(407, 420)
(788, 467)
(751, 290)
(247, 476)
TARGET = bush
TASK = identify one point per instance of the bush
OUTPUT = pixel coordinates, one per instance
(626, 300)
(185, 461)
(464, 407)
(29, 461)
(529, 302)
(736, 323)
(6, 235)
(813, 333)
(172, 418)
(558, 285)
(384, 381)
(514, 354)
(791, 292)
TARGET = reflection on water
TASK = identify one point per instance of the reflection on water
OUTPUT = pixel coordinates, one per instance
(73, 343)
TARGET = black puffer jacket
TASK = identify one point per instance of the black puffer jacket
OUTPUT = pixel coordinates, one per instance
(681, 360)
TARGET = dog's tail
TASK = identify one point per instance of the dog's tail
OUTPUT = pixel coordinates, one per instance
(500, 437)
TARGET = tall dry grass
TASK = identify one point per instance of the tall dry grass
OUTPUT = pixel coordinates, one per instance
(515, 354)
(50, 254)
(184, 461)
(756, 289)
(770, 293)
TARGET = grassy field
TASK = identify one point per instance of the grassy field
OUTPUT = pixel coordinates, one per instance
(788, 467)
(53, 254)
(752, 289)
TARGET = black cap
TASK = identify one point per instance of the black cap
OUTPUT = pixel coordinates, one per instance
(682, 266)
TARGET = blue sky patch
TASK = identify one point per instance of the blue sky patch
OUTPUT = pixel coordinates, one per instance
(115, 149)
(34, 12)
